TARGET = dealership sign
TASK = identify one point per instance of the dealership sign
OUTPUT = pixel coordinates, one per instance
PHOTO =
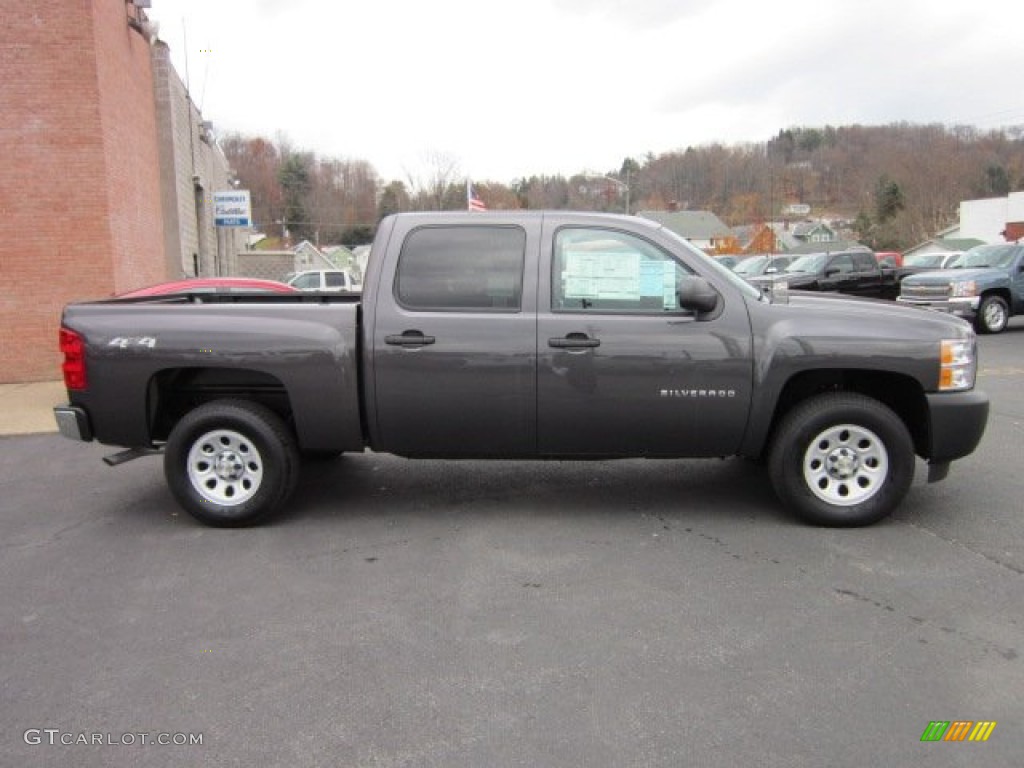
(232, 209)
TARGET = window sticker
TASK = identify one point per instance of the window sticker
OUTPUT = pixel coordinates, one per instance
(658, 280)
(601, 275)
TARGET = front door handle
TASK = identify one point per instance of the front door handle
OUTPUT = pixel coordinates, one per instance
(574, 341)
(409, 339)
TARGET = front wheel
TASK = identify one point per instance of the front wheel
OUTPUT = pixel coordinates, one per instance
(841, 459)
(231, 463)
(993, 315)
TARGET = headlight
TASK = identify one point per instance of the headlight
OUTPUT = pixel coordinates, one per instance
(957, 364)
(962, 289)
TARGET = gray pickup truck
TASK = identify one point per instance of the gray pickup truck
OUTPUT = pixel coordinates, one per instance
(986, 287)
(526, 335)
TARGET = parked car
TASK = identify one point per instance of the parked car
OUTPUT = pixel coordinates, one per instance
(528, 335)
(325, 280)
(765, 264)
(933, 260)
(986, 287)
(211, 285)
(852, 272)
(889, 258)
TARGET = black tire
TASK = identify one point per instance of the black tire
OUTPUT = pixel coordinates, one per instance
(841, 460)
(993, 315)
(231, 463)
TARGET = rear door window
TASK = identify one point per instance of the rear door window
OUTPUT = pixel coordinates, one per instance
(462, 268)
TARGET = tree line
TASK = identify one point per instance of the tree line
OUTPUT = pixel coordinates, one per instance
(896, 184)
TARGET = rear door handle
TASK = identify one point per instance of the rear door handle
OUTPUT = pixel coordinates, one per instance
(574, 341)
(409, 339)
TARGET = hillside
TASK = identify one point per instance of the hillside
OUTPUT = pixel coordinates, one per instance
(897, 184)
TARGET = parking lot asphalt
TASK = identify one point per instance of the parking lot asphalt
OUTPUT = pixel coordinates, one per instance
(512, 614)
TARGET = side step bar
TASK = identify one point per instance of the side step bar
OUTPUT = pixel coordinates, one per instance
(115, 459)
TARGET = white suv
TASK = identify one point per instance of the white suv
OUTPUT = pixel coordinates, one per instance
(324, 280)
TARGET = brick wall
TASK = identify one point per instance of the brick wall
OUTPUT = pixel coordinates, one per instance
(80, 213)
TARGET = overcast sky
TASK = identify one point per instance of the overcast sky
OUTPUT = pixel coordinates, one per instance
(512, 88)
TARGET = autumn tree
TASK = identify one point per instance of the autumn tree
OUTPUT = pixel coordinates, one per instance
(256, 162)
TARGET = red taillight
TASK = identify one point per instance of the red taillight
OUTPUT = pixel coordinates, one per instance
(73, 348)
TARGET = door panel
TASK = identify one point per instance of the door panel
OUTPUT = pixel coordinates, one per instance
(622, 370)
(454, 345)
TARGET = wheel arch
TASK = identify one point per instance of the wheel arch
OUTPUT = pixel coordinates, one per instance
(1002, 292)
(173, 392)
(901, 393)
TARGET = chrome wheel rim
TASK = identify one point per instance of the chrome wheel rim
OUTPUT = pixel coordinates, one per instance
(995, 317)
(225, 467)
(845, 465)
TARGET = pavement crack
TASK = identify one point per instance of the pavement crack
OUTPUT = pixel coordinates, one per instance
(962, 545)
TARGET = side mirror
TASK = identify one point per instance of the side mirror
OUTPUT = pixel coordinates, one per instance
(831, 271)
(696, 294)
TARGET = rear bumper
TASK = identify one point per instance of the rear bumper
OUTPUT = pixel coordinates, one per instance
(957, 423)
(73, 422)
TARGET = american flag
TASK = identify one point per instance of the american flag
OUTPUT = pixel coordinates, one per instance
(473, 203)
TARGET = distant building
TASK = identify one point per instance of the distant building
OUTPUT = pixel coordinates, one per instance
(990, 220)
(792, 237)
(192, 168)
(702, 228)
(279, 264)
(812, 232)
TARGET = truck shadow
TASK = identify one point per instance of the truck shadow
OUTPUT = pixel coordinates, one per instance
(377, 485)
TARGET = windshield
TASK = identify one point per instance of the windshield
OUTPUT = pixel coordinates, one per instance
(989, 256)
(752, 266)
(924, 260)
(812, 262)
(735, 280)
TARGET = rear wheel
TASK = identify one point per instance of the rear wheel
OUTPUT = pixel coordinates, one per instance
(993, 315)
(231, 463)
(842, 459)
